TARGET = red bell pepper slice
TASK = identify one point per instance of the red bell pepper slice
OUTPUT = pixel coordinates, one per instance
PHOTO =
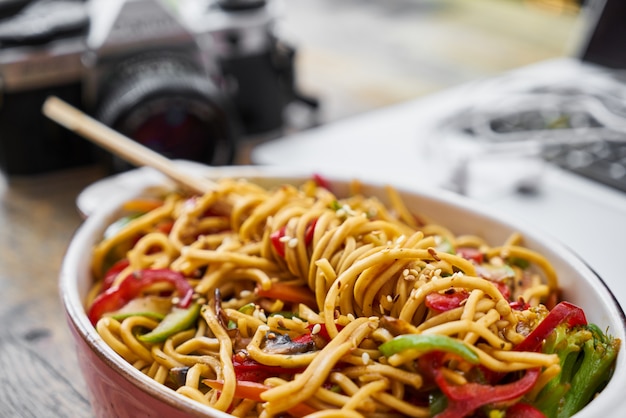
(308, 233)
(277, 236)
(112, 273)
(116, 297)
(321, 181)
(563, 312)
(250, 370)
(322, 333)
(519, 305)
(523, 410)
(463, 400)
(470, 253)
(443, 302)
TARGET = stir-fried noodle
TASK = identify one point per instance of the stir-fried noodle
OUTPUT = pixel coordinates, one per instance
(297, 296)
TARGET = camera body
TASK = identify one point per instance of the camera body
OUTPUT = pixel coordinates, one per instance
(189, 79)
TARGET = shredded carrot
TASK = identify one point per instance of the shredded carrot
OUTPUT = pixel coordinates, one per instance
(253, 390)
(289, 293)
(142, 205)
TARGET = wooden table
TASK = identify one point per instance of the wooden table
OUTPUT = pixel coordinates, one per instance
(392, 60)
(40, 376)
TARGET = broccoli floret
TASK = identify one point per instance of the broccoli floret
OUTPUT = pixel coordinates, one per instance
(587, 359)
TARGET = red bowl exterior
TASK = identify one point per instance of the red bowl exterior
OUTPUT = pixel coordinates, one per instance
(113, 395)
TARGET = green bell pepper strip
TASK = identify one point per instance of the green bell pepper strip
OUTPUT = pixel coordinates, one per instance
(594, 371)
(428, 343)
(176, 321)
(587, 358)
(152, 315)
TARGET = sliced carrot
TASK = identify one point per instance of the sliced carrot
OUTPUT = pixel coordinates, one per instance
(289, 293)
(253, 390)
(142, 205)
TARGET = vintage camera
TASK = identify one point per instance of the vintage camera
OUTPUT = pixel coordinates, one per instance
(189, 79)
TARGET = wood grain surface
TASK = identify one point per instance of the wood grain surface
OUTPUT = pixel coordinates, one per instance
(38, 216)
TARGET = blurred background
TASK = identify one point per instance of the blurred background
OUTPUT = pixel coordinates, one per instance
(359, 55)
(264, 69)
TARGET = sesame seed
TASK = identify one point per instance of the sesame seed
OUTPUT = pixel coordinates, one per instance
(297, 320)
(262, 316)
(389, 299)
(263, 328)
(245, 293)
(350, 317)
(284, 238)
(293, 243)
(365, 357)
(405, 272)
(316, 329)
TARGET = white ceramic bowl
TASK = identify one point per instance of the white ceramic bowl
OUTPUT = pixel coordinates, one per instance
(119, 390)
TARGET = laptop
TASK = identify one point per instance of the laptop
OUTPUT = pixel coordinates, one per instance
(438, 141)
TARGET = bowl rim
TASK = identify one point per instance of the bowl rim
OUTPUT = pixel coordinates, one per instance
(97, 220)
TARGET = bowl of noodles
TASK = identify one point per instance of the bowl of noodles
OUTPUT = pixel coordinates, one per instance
(282, 294)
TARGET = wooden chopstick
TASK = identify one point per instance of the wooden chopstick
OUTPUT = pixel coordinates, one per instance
(120, 145)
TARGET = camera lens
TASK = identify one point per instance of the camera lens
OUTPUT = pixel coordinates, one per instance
(165, 103)
(179, 128)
